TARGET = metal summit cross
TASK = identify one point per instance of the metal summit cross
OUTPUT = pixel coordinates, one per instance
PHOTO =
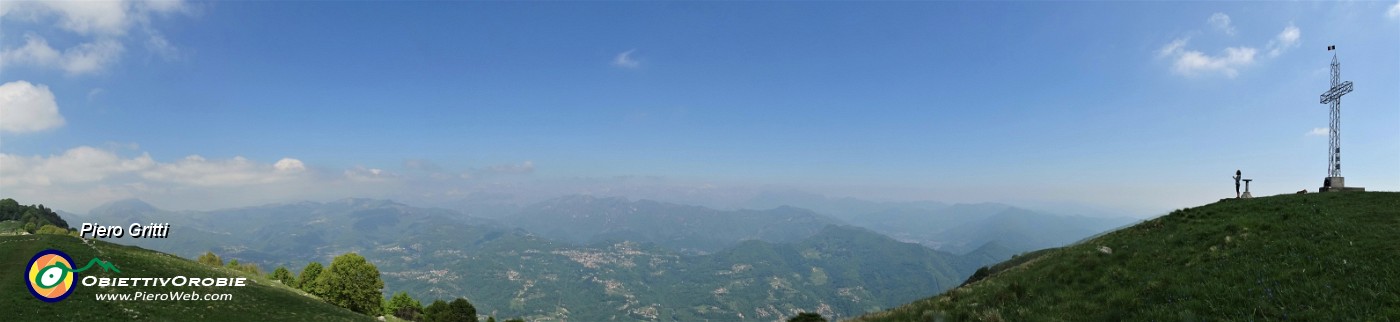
(1333, 97)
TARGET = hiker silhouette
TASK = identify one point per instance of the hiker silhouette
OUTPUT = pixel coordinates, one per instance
(1237, 183)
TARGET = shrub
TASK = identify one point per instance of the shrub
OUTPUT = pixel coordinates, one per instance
(307, 280)
(352, 282)
(281, 274)
(209, 258)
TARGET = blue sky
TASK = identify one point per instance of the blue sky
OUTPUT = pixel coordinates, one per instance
(1135, 107)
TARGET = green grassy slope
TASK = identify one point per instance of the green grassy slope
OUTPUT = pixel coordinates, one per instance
(261, 300)
(1332, 256)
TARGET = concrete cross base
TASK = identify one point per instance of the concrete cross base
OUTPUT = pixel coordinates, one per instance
(1246, 195)
(1337, 184)
(1333, 189)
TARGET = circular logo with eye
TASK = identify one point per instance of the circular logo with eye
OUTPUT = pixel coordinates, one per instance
(51, 275)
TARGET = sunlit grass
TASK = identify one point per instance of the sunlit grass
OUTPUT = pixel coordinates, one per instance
(1332, 256)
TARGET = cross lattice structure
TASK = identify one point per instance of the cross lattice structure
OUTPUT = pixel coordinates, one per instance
(1333, 97)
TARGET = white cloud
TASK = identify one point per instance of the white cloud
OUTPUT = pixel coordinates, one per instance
(198, 171)
(90, 57)
(90, 165)
(499, 170)
(362, 174)
(429, 169)
(93, 18)
(94, 93)
(162, 6)
(1286, 39)
(86, 176)
(103, 24)
(1172, 48)
(1394, 12)
(1221, 21)
(158, 45)
(1317, 131)
(87, 164)
(289, 165)
(25, 107)
(77, 165)
(422, 165)
(1289, 36)
(625, 60)
(84, 58)
(1191, 63)
(86, 17)
(520, 168)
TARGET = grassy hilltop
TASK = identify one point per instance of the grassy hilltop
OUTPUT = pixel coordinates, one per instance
(1330, 256)
(260, 300)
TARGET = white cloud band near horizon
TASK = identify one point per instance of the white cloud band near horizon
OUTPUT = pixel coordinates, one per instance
(83, 177)
(86, 164)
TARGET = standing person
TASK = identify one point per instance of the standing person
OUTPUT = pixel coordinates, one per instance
(1237, 184)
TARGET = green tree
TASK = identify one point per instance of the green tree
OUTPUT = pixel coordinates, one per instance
(435, 312)
(352, 282)
(462, 310)
(233, 264)
(32, 214)
(515, 320)
(404, 307)
(459, 310)
(210, 259)
(8, 205)
(490, 319)
(281, 274)
(307, 280)
(29, 227)
(807, 317)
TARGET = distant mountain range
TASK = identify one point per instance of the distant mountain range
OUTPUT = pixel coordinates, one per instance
(955, 228)
(689, 229)
(764, 265)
